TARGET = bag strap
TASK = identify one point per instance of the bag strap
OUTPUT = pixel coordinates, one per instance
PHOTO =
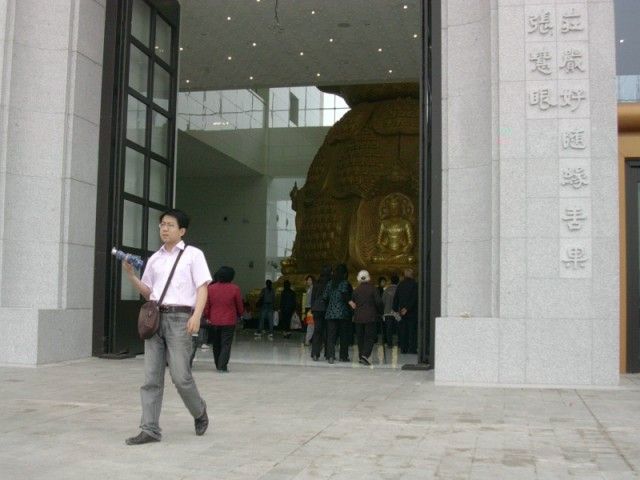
(166, 285)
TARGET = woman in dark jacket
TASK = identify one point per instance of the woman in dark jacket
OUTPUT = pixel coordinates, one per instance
(287, 307)
(224, 306)
(265, 303)
(367, 306)
(338, 313)
(318, 307)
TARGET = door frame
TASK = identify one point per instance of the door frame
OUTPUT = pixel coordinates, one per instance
(112, 145)
(429, 299)
(430, 164)
(632, 180)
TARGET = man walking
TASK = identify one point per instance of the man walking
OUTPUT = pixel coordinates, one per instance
(180, 314)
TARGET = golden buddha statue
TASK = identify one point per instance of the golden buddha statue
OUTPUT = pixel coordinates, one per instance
(395, 237)
(358, 203)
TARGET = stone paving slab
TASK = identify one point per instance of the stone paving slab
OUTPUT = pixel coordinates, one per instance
(274, 422)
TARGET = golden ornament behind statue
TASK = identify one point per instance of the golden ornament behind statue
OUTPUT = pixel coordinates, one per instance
(359, 203)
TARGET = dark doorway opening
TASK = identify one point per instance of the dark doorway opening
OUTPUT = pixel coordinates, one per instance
(632, 187)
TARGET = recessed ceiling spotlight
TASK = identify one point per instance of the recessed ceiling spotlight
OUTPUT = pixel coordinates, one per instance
(313, 12)
(405, 7)
(301, 53)
(379, 49)
(229, 57)
(415, 35)
(331, 40)
(317, 74)
(390, 71)
(157, 47)
(253, 44)
(187, 81)
(181, 48)
(228, 18)
(251, 77)
(622, 40)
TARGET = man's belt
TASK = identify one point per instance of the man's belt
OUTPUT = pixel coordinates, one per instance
(175, 309)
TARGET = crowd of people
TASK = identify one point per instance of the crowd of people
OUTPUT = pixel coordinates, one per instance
(369, 313)
(335, 314)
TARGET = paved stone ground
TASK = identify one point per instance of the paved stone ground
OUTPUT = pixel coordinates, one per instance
(273, 422)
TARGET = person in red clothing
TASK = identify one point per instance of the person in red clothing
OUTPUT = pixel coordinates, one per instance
(224, 306)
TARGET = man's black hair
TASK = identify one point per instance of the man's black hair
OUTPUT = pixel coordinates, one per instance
(181, 217)
(395, 279)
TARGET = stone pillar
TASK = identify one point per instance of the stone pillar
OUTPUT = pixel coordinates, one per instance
(50, 103)
(553, 196)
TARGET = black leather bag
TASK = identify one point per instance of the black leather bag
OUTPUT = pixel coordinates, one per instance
(149, 315)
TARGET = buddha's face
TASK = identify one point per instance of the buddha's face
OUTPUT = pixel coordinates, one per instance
(394, 207)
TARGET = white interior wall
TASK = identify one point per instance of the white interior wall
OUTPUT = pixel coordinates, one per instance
(228, 222)
(212, 184)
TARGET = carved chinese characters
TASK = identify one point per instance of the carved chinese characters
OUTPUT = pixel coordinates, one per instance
(557, 86)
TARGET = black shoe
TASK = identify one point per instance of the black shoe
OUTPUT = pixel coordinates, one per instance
(364, 361)
(201, 423)
(140, 439)
(347, 359)
(331, 360)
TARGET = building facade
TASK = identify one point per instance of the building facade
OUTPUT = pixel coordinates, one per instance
(530, 270)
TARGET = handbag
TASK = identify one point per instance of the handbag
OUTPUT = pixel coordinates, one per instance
(296, 324)
(149, 315)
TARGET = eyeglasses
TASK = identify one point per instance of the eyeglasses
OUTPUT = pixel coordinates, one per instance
(167, 225)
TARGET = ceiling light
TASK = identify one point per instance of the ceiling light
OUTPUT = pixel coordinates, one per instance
(415, 35)
(301, 53)
(229, 57)
(390, 71)
(188, 81)
(317, 74)
(313, 12)
(181, 48)
(254, 44)
(251, 78)
(622, 40)
(405, 7)
(379, 49)
(331, 40)
(228, 18)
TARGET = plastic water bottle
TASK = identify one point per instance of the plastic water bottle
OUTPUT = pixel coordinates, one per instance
(133, 260)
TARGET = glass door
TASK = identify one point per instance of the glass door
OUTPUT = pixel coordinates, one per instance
(633, 264)
(143, 129)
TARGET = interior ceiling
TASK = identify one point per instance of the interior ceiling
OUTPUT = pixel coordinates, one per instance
(214, 30)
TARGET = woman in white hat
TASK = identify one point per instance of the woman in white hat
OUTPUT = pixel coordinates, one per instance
(367, 306)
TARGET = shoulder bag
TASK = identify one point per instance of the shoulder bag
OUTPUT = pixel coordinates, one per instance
(149, 315)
